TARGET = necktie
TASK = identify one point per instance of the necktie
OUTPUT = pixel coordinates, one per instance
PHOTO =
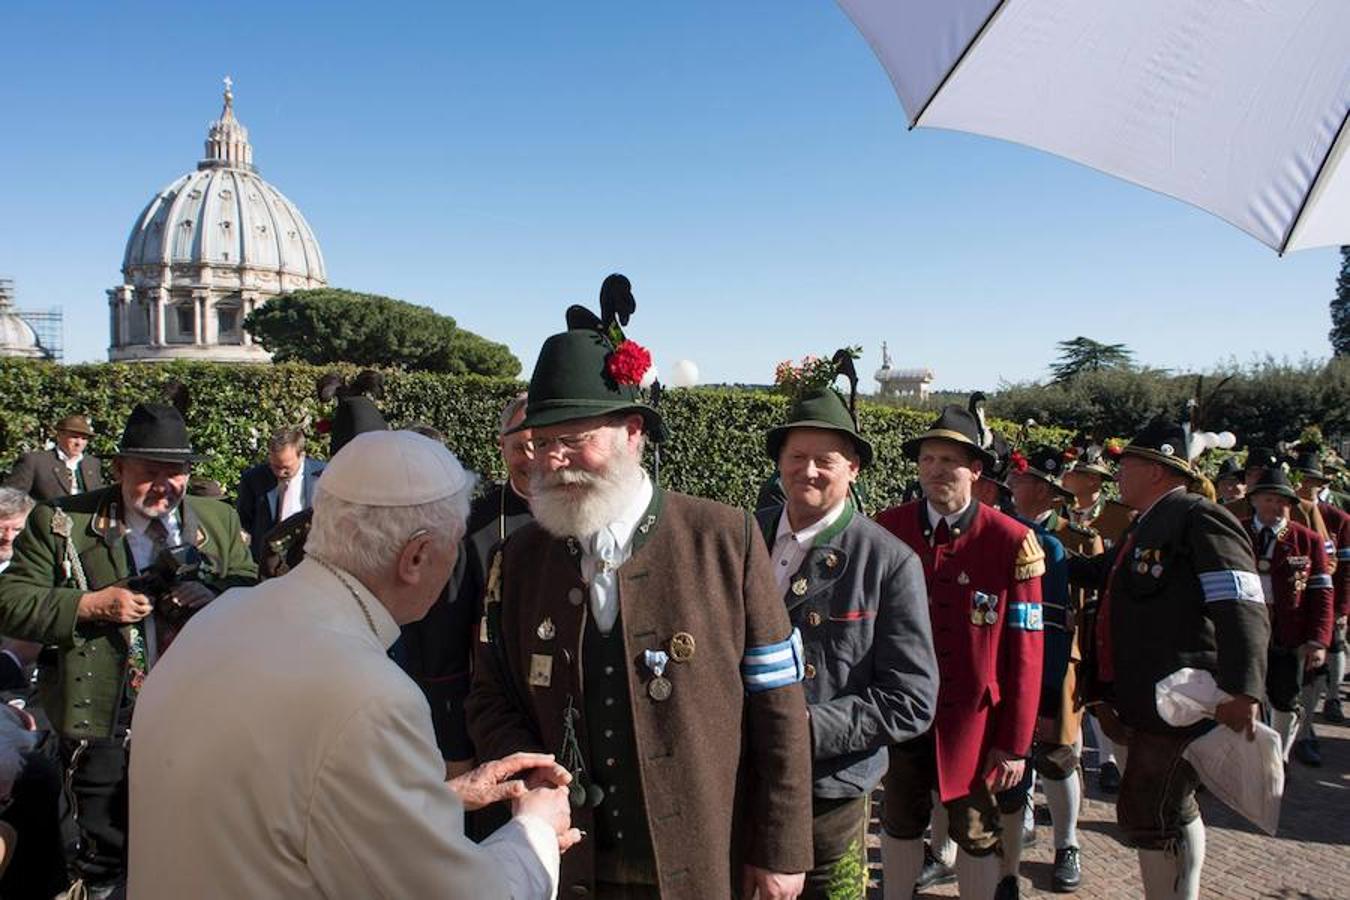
(158, 533)
(1267, 541)
(1106, 664)
(942, 534)
(604, 603)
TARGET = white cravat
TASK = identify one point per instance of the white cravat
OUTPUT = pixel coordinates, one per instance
(608, 549)
(72, 462)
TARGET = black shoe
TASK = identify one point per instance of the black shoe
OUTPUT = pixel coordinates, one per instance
(1108, 779)
(1307, 752)
(1331, 711)
(933, 872)
(1007, 889)
(1068, 873)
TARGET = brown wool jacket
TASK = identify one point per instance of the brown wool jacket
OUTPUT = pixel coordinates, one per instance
(726, 775)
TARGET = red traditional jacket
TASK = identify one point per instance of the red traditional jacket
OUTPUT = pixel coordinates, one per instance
(1300, 581)
(984, 600)
(1338, 523)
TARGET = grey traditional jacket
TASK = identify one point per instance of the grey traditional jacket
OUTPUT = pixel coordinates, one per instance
(871, 675)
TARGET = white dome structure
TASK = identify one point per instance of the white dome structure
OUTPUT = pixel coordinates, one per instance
(17, 337)
(205, 252)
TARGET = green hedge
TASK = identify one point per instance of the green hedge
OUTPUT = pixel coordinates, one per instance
(716, 449)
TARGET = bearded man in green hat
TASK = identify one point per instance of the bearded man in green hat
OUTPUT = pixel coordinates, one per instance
(638, 635)
(857, 595)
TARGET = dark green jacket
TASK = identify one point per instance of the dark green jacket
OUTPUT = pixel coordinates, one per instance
(39, 596)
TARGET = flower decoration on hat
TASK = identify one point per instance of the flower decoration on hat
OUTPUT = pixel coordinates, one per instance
(1114, 448)
(628, 363)
(811, 374)
(1018, 462)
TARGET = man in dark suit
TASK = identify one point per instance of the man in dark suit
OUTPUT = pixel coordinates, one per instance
(277, 489)
(63, 470)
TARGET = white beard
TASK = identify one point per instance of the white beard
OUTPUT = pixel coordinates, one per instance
(573, 503)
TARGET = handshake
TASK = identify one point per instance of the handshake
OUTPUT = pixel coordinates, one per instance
(534, 783)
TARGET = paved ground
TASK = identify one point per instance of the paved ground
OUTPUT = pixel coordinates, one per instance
(1309, 859)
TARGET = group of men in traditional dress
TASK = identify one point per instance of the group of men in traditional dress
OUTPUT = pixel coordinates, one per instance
(636, 693)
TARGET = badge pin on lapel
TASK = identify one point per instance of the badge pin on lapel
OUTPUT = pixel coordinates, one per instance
(546, 630)
(799, 587)
(659, 688)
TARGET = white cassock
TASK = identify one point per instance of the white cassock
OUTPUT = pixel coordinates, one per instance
(277, 752)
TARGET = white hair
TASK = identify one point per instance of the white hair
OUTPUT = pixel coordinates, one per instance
(577, 503)
(15, 741)
(366, 540)
(14, 503)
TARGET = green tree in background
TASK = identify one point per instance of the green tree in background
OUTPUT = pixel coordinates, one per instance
(329, 325)
(1086, 355)
(1340, 309)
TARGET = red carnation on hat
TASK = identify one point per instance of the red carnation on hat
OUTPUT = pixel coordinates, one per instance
(323, 426)
(1018, 462)
(628, 363)
(1071, 453)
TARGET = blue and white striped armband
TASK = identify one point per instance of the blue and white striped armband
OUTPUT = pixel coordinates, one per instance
(1026, 616)
(1343, 554)
(774, 665)
(1229, 584)
(1320, 581)
(1329, 547)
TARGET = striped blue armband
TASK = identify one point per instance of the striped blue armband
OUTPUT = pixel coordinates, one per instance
(1229, 584)
(1320, 581)
(1026, 616)
(1329, 547)
(1343, 554)
(774, 665)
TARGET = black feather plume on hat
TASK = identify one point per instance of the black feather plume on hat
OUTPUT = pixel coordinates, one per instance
(177, 395)
(843, 365)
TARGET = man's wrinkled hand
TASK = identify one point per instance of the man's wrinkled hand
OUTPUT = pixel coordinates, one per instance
(1002, 771)
(1238, 714)
(1315, 657)
(191, 595)
(551, 805)
(497, 780)
(113, 604)
(761, 884)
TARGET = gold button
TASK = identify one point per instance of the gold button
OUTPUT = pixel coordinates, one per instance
(813, 618)
(810, 671)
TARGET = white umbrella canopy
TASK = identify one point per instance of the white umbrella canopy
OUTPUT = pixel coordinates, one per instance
(1236, 106)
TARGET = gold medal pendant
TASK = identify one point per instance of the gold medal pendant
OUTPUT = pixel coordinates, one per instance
(976, 617)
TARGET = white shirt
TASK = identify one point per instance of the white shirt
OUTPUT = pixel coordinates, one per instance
(142, 546)
(292, 493)
(72, 462)
(934, 517)
(789, 547)
(281, 755)
(605, 596)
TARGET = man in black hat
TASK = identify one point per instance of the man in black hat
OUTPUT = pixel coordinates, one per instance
(1296, 580)
(1039, 494)
(1230, 481)
(1180, 590)
(1314, 485)
(1304, 512)
(983, 572)
(63, 470)
(857, 595)
(637, 634)
(69, 587)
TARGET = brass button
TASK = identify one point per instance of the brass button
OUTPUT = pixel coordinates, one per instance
(813, 618)
(810, 671)
(610, 762)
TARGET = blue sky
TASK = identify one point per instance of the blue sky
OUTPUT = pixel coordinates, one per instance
(746, 164)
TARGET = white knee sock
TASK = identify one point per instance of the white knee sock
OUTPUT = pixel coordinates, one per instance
(1335, 674)
(1284, 724)
(944, 848)
(1191, 861)
(901, 863)
(1106, 748)
(977, 877)
(1308, 698)
(1064, 798)
(1011, 839)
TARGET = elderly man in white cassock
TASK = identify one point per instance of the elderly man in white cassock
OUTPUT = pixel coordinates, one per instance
(281, 754)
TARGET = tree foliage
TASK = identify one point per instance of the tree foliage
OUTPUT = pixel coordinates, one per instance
(1086, 355)
(1340, 309)
(328, 325)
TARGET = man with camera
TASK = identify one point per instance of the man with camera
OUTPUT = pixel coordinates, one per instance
(79, 583)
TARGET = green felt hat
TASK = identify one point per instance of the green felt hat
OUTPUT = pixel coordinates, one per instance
(580, 375)
(824, 409)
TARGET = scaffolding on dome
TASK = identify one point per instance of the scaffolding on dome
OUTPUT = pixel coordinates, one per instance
(47, 324)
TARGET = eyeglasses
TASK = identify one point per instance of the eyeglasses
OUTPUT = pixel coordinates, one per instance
(567, 443)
